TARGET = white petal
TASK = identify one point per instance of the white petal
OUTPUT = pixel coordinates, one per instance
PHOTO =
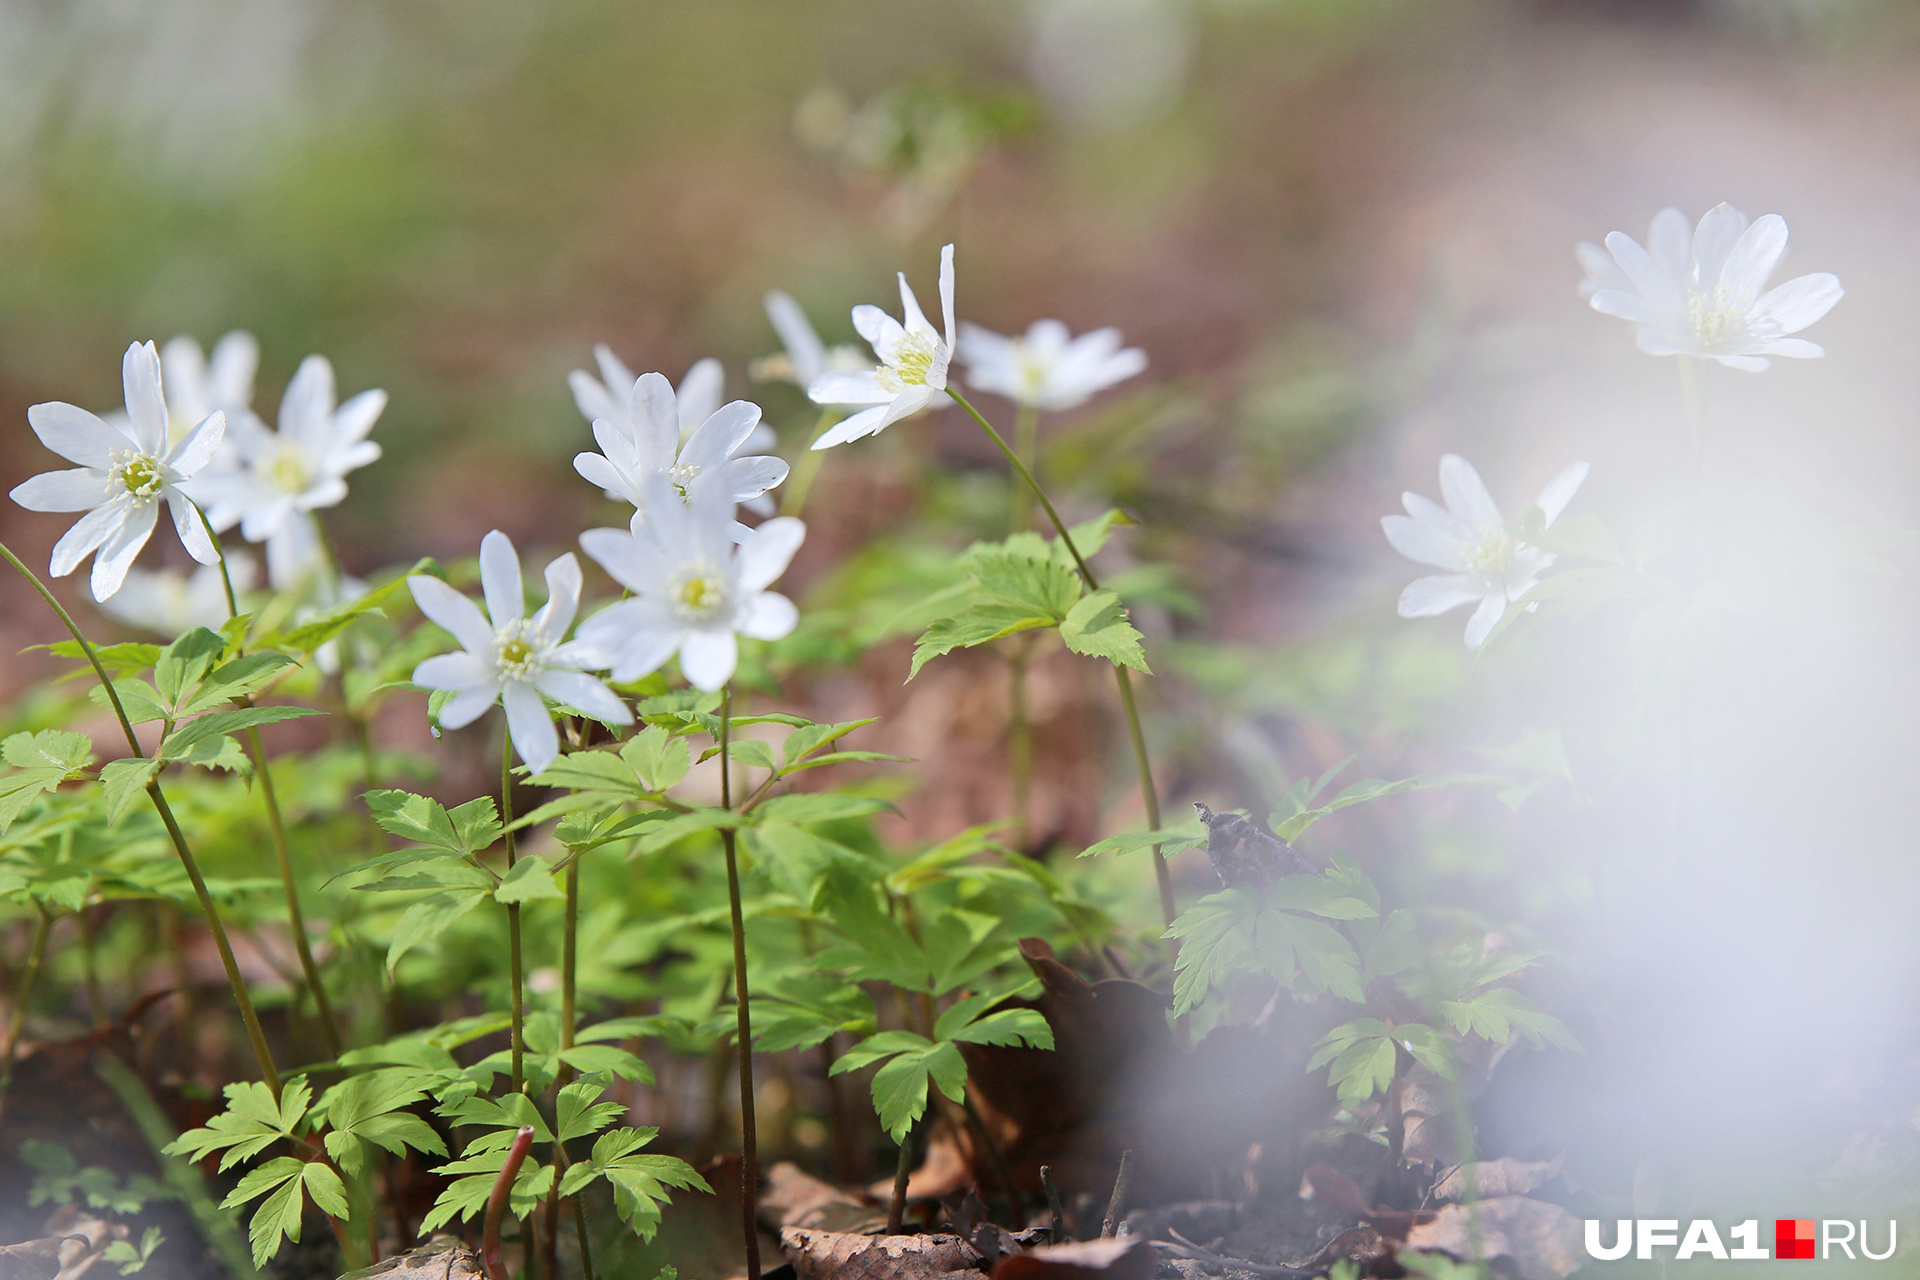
(699, 393)
(1480, 625)
(1658, 342)
(455, 671)
(500, 579)
(911, 316)
(724, 431)
(592, 399)
(1797, 348)
(613, 371)
(183, 369)
(768, 616)
(563, 598)
(146, 405)
(843, 386)
(1746, 364)
(1799, 302)
(530, 724)
(635, 566)
(199, 446)
(453, 612)
(470, 704)
(1560, 490)
(582, 692)
(306, 410)
(656, 419)
(1466, 493)
(1670, 241)
(633, 637)
(1619, 302)
(187, 523)
(236, 357)
(116, 554)
(1648, 279)
(804, 348)
(765, 555)
(88, 532)
(1437, 593)
(748, 478)
(1423, 541)
(76, 435)
(79, 489)
(946, 294)
(905, 405)
(871, 323)
(863, 423)
(1755, 254)
(707, 658)
(1713, 240)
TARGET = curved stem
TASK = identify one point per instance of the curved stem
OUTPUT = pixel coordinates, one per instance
(29, 978)
(513, 910)
(1026, 443)
(497, 1201)
(807, 469)
(1142, 762)
(749, 1136)
(180, 846)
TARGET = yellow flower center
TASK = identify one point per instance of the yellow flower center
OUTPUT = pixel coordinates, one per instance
(910, 365)
(698, 594)
(1715, 315)
(681, 476)
(513, 653)
(288, 472)
(139, 474)
(1492, 557)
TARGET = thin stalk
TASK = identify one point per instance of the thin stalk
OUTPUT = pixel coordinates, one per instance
(902, 1168)
(180, 846)
(1020, 742)
(564, 1076)
(276, 826)
(90, 968)
(1141, 761)
(1026, 442)
(749, 1136)
(513, 910)
(29, 978)
(800, 480)
(497, 1201)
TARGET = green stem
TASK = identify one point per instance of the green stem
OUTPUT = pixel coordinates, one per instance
(800, 481)
(1020, 744)
(749, 1136)
(1026, 442)
(90, 968)
(513, 910)
(1142, 762)
(180, 846)
(29, 978)
(276, 826)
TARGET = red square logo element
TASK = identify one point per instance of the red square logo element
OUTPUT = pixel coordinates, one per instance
(1793, 1238)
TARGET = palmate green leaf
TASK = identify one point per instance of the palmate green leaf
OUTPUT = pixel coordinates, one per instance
(427, 919)
(237, 679)
(751, 752)
(645, 765)
(281, 1180)
(1172, 840)
(1008, 1027)
(184, 663)
(40, 762)
(120, 659)
(125, 781)
(367, 1110)
(809, 738)
(900, 1086)
(1495, 1015)
(216, 751)
(182, 741)
(1041, 585)
(800, 1010)
(464, 830)
(641, 1183)
(1098, 627)
(137, 699)
(576, 1114)
(1238, 929)
(529, 880)
(977, 624)
(475, 1173)
(250, 1124)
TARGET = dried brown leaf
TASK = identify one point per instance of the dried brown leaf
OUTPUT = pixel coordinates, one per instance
(841, 1255)
(1542, 1239)
(1116, 1258)
(793, 1197)
(1503, 1177)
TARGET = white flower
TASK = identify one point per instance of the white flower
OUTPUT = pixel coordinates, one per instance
(513, 659)
(1047, 369)
(123, 472)
(650, 446)
(805, 357)
(913, 365)
(196, 386)
(1709, 298)
(1467, 536)
(693, 588)
(279, 477)
(172, 603)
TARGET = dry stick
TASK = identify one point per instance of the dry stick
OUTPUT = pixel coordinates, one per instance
(1148, 794)
(180, 846)
(497, 1203)
(296, 920)
(1056, 1214)
(1117, 1203)
(749, 1135)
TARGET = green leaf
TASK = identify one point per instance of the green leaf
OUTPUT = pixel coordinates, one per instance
(1172, 840)
(818, 806)
(530, 879)
(324, 1185)
(310, 635)
(137, 699)
(124, 781)
(1046, 587)
(41, 761)
(181, 741)
(427, 919)
(751, 752)
(184, 663)
(809, 738)
(576, 1114)
(1097, 626)
(279, 1214)
(1238, 930)
(464, 830)
(1091, 535)
(640, 1182)
(236, 679)
(1292, 816)
(900, 1087)
(1008, 1027)
(975, 625)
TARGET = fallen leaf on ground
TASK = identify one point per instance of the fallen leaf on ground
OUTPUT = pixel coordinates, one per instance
(793, 1197)
(1116, 1258)
(40, 1259)
(841, 1255)
(1503, 1177)
(1543, 1240)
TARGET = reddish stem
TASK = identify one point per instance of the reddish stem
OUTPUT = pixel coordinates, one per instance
(497, 1202)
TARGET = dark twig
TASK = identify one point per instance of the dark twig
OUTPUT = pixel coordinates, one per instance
(1182, 1247)
(897, 1207)
(1056, 1215)
(497, 1202)
(1117, 1203)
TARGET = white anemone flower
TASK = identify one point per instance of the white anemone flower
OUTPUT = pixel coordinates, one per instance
(197, 384)
(170, 603)
(805, 357)
(1486, 564)
(1047, 368)
(913, 365)
(1708, 297)
(510, 658)
(651, 446)
(693, 587)
(281, 476)
(124, 471)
